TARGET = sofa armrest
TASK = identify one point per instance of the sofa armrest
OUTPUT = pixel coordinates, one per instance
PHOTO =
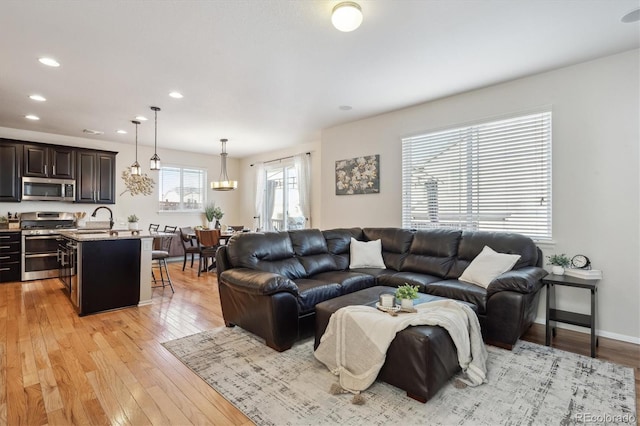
(523, 280)
(257, 282)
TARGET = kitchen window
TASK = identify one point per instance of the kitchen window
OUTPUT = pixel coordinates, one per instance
(181, 189)
(491, 176)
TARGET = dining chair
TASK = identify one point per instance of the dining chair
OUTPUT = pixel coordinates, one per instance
(187, 235)
(153, 227)
(170, 229)
(236, 228)
(208, 241)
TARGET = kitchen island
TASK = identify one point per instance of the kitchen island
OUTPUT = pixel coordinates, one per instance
(105, 270)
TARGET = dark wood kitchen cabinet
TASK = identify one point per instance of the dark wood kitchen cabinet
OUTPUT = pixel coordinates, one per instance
(9, 256)
(10, 160)
(49, 161)
(96, 177)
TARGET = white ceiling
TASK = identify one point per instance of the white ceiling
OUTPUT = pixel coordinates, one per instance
(268, 74)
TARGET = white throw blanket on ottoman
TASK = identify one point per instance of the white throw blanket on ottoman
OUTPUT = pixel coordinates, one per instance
(355, 343)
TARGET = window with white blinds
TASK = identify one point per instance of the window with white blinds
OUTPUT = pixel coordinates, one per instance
(493, 176)
(182, 188)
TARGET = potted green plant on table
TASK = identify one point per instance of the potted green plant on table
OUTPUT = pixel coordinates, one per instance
(211, 211)
(558, 262)
(217, 214)
(406, 293)
(133, 222)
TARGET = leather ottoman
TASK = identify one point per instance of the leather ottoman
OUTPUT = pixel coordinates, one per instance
(420, 360)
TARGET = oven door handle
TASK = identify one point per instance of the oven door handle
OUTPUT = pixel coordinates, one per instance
(41, 237)
(32, 256)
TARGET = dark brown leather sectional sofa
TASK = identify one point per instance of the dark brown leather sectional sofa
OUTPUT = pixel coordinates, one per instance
(270, 282)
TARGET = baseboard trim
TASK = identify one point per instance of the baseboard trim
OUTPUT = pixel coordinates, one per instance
(600, 333)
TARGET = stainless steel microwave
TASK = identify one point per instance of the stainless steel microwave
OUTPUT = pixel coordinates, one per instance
(45, 189)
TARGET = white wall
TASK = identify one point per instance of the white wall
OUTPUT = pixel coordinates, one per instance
(145, 207)
(596, 183)
(248, 181)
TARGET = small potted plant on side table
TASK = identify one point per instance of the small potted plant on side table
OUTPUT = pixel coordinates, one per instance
(406, 293)
(133, 222)
(558, 262)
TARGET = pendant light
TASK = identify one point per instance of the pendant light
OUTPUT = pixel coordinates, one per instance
(136, 170)
(224, 184)
(155, 160)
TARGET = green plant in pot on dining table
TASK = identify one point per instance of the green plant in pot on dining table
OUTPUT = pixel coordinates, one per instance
(211, 211)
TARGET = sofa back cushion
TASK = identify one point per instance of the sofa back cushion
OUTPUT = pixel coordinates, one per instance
(432, 252)
(472, 244)
(311, 248)
(338, 243)
(395, 244)
(269, 251)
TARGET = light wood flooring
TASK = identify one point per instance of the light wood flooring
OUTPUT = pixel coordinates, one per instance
(110, 368)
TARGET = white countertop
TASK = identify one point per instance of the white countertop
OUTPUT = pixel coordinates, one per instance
(104, 235)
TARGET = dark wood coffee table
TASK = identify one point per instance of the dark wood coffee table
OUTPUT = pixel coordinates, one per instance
(420, 360)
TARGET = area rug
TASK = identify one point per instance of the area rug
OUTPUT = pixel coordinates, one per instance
(533, 385)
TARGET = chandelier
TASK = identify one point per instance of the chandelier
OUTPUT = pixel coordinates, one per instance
(224, 184)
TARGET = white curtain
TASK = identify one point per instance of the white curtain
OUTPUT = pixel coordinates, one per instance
(260, 196)
(303, 170)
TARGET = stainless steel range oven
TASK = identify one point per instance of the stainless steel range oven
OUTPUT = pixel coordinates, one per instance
(40, 238)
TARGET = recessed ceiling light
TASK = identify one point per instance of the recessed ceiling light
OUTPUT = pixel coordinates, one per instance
(32, 117)
(141, 118)
(345, 107)
(122, 132)
(633, 16)
(176, 95)
(50, 62)
(38, 98)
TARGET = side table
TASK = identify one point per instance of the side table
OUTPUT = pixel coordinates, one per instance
(582, 320)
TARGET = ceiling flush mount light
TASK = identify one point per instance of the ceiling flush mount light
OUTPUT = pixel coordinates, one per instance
(633, 16)
(155, 160)
(32, 117)
(141, 118)
(38, 98)
(346, 16)
(224, 184)
(122, 132)
(176, 95)
(50, 62)
(136, 170)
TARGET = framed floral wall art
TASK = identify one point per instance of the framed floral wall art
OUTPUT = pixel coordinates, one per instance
(359, 175)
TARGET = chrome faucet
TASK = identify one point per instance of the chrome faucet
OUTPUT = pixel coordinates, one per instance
(110, 215)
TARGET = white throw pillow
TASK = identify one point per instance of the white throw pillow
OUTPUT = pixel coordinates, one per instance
(366, 254)
(488, 265)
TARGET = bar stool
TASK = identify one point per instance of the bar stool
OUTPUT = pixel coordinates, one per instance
(159, 260)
